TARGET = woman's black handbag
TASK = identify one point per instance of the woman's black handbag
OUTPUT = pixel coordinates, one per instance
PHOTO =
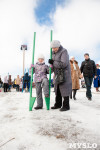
(60, 76)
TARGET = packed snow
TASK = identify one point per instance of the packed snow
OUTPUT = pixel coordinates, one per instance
(21, 129)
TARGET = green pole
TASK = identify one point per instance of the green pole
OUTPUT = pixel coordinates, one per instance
(47, 99)
(32, 99)
(50, 58)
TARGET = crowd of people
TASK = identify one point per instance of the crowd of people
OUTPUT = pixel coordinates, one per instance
(66, 80)
(19, 83)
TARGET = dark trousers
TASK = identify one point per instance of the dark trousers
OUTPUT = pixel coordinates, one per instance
(26, 84)
(9, 88)
(17, 87)
(5, 87)
(88, 82)
(58, 100)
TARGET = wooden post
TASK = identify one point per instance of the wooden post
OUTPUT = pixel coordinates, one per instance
(23, 61)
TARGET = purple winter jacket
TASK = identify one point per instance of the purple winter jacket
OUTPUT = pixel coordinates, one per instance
(41, 70)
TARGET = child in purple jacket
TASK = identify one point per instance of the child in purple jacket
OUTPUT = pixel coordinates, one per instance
(41, 81)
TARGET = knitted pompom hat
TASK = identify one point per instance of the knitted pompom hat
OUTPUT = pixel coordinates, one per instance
(55, 44)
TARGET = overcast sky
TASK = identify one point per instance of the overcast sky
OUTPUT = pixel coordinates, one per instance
(75, 23)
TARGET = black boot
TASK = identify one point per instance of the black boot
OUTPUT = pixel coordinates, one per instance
(66, 106)
(37, 107)
(55, 107)
(89, 98)
(74, 94)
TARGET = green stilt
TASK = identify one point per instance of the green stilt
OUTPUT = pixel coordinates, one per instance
(47, 99)
(32, 99)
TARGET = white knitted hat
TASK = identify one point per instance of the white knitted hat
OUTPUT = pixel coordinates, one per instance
(55, 44)
(41, 56)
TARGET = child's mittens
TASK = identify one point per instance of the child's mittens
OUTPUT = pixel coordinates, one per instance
(32, 66)
(51, 66)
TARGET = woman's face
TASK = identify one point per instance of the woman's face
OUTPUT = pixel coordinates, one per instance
(41, 60)
(55, 49)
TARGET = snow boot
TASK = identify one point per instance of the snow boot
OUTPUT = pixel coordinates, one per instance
(66, 106)
(97, 90)
(89, 98)
(74, 94)
(55, 107)
(64, 109)
(37, 107)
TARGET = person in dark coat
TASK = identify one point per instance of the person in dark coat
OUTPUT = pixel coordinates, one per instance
(1, 83)
(97, 80)
(88, 68)
(5, 84)
(62, 71)
(26, 81)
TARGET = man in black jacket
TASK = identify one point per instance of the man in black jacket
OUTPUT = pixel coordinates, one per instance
(88, 68)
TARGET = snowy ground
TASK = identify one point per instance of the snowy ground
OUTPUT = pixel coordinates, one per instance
(48, 130)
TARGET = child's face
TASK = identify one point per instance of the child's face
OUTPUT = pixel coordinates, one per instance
(97, 67)
(41, 60)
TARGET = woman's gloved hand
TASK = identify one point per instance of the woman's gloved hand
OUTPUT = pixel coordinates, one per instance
(51, 61)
